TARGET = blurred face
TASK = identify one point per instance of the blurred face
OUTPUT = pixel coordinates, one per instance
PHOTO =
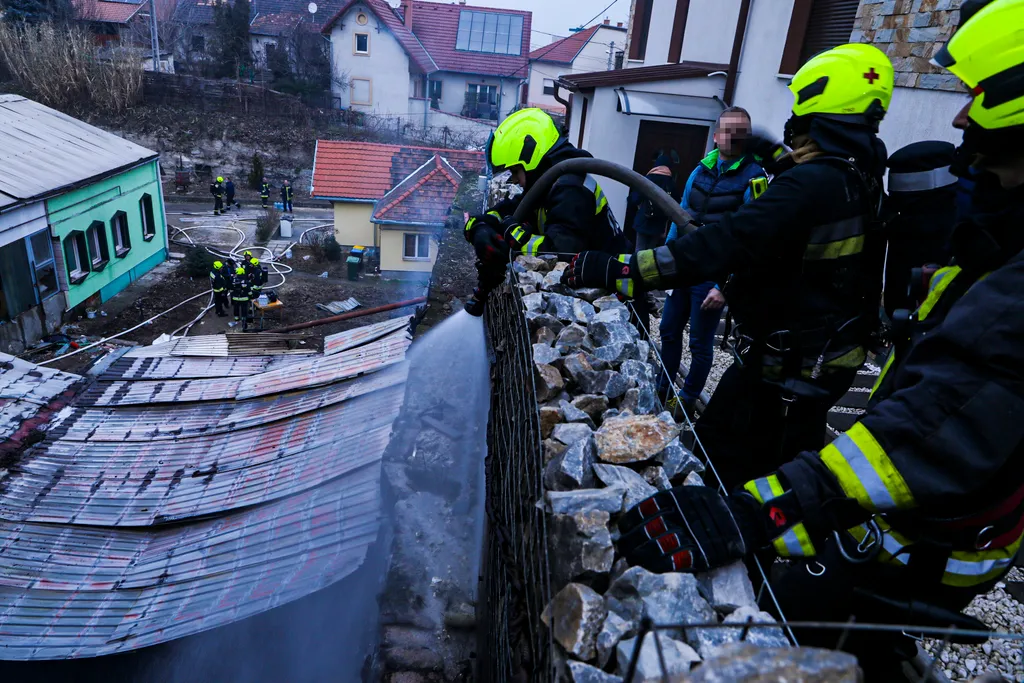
(960, 120)
(518, 176)
(732, 133)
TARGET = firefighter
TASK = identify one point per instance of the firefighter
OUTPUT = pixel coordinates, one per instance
(257, 278)
(217, 190)
(286, 196)
(220, 281)
(573, 216)
(805, 262)
(229, 189)
(264, 192)
(917, 508)
(241, 294)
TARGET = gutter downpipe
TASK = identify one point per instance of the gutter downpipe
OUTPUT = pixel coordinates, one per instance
(737, 51)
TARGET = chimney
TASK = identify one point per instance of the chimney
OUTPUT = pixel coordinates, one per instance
(607, 22)
(619, 24)
(407, 13)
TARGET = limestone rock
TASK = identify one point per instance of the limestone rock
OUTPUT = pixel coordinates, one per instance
(544, 335)
(570, 339)
(572, 468)
(761, 637)
(584, 673)
(533, 263)
(727, 588)
(592, 404)
(640, 401)
(570, 433)
(585, 500)
(638, 371)
(615, 316)
(746, 663)
(614, 629)
(666, 598)
(645, 350)
(542, 353)
(535, 303)
(561, 307)
(552, 279)
(634, 438)
(552, 449)
(655, 476)
(575, 616)
(590, 294)
(549, 417)
(693, 479)
(532, 278)
(606, 382)
(582, 311)
(617, 353)
(636, 488)
(604, 333)
(527, 289)
(608, 302)
(579, 546)
(571, 413)
(678, 461)
(538, 320)
(611, 412)
(549, 381)
(575, 364)
(679, 658)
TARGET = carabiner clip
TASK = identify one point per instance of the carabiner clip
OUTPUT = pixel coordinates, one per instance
(867, 549)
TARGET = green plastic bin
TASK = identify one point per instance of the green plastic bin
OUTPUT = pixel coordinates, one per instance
(353, 268)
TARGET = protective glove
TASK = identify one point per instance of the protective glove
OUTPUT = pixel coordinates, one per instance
(506, 207)
(484, 233)
(598, 269)
(767, 149)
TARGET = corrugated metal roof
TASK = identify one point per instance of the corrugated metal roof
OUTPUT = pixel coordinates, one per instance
(134, 522)
(339, 307)
(228, 345)
(43, 150)
(349, 339)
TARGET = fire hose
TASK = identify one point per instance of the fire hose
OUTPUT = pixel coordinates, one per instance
(490, 276)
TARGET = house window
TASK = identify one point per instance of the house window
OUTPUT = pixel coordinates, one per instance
(490, 32)
(122, 239)
(549, 86)
(481, 101)
(434, 93)
(641, 27)
(148, 222)
(198, 43)
(76, 256)
(417, 247)
(362, 43)
(41, 255)
(362, 91)
(362, 19)
(99, 253)
(16, 280)
(816, 26)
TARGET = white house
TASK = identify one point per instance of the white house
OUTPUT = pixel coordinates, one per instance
(429, 62)
(687, 59)
(592, 49)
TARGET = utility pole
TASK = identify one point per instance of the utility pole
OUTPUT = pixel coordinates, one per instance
(611, 56)
(153, 39)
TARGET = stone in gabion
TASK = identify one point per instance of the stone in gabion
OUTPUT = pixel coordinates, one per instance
(604, 334)
(535, 303)
(582, 311)
(548, 380)
(561, 307)
(589, 294)
(584, 673)
(679, 658)
(655, 476)
(552, 449)
(746, 663)
(617, 353)
(727, 588)
(638, 371)
(575, 364)
(671, 598)
(533, 263)
(571, 413)
(642, 401)
(693, 479)
(761, 637)
(585, 500)
(542, 353)
(531, 278)
(592, 404)
(571, 433)
(606, 382)
(571, 469)
(626, 439)
(614, 316)
(549, 417)
(544, 335)
(678, 461)
(575, 616)
(614, 629)
(537, 321)
(552, 278)
(637, 489)
(608, 302)
(579, 546)
(570, 339)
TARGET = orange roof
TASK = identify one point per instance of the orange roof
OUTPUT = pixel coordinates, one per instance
(366, 171)
(107, 12)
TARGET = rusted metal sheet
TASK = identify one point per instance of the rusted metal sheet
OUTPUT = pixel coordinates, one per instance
(350, 339)
(185, 368)
(24, 381)
(339, 307)
(77, 592)
(225, 345)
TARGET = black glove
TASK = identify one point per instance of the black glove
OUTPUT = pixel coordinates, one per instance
(506, 207)
(598, 269)
(690, 529)
(768, 150)
(484, 233)
(516, 234)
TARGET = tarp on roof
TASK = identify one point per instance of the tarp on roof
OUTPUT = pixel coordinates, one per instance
(43, 150)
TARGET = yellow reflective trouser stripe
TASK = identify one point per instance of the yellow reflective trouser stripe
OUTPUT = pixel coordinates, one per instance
(890, 357)
(648, 265)
(834, 250)
(936, 288)
(865, 472)
(795, 542)
(600, 201)
(758, 186)
(532, 246)
(854, 358)
(542, 219)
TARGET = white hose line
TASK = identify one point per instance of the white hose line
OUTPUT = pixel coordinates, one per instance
(130, 329)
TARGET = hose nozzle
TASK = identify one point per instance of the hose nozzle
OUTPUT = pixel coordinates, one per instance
(475, 303)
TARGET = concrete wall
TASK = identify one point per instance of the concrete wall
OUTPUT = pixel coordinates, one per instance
(31, 326)
(386, 66)
(593, 57)
(660, 35)
(77, 209)
(454, 87)
(352, 223)
(392, 250)
(710, 26)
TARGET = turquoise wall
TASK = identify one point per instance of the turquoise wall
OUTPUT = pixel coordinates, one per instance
(77, 209)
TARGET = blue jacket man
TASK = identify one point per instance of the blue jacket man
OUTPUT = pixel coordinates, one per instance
(722, 182)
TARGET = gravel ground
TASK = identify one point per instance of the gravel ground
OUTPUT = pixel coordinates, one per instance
(997, 608)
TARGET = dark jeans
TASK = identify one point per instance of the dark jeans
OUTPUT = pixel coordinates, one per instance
(220, 301)
(681, 307)
(746, 432)
(218, 204)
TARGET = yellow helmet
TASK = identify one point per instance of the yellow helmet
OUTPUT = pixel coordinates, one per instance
(255, 261)
(247, 255)
(217, 265)
(987, 54)
(220, 179)
(239, 271)
(522, 139)
(848, 79)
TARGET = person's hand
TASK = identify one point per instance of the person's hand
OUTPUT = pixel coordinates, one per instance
(689, 529)
(484, 233)
(714, 301)
(599, 269)
(765, 147)
(516, 234)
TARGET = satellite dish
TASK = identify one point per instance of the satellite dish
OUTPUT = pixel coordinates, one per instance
(312, 8)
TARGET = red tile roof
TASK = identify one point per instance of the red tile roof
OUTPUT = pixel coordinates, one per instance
(275, 24)
(564, 51)
(107, 12)
(437, 27)
(418, 54)
(423, 198)
(366, 171)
